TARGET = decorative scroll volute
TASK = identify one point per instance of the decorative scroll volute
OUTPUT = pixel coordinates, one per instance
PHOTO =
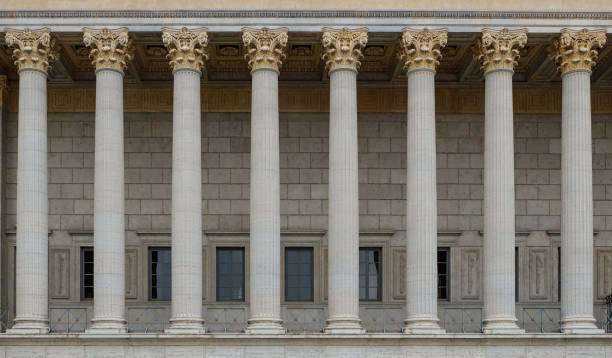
(499, 49)
(186, 48)
(421, 48)
(33, 49)
(265, 47)
(576, 49)
(109, 48)
(343, 48)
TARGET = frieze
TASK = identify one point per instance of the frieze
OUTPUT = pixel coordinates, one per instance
(313, 99)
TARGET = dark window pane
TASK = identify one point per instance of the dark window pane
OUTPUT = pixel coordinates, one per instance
(160, 273)
(230, 274)
(87, 271)
(443, 272)
(298, 274)
(370, 279)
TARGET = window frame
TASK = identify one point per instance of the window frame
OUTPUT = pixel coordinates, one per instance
(379, 277)
(230, 248)
(312, 264)
(447, 287)
(82, 274)
(150, 250)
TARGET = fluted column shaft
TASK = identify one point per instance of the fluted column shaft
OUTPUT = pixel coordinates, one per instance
(499, 231)
(265, 315)
(32, 205)
(576, 204)
(109, 222)
(186, 203)
(421, 212)
(343, 234)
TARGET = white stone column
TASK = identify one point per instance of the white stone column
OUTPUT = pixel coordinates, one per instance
(109, 57)
(265, 54)
(186, 49)
(421, 55)
(32, 53)
(575, 53)
(342, 55)
(499, 52)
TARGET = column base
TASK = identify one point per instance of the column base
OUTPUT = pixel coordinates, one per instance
(265, 326)
(107, 326)
(347, 325)
(580, 325)
(29, 326)
(422, 324)
(186, 326)
(501, 324)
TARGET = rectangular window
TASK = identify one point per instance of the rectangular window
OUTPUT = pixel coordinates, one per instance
(370, 276)
(298, 274)
(230, 274)
(87, 273)
(559, 273)
(160, 259)
(516, 274)
(443, 273)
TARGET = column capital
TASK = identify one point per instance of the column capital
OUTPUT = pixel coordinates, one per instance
(34, 49)
(575, 50)
(110, 49)
(421, 48)
(498, 50)
(343, 48)
(186, 48)
(265, 47)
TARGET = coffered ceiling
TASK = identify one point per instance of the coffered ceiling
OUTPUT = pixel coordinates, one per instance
(303, 63)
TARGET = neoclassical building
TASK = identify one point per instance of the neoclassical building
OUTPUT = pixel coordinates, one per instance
(299, 181)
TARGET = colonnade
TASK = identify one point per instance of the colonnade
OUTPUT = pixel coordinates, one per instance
(574, 52)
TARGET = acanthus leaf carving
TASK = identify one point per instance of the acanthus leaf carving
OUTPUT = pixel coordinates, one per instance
(33, 49)
(343, 48)
(576, 49)
(109, 48)
(265, 48)
(421, 48)
(499, 49)
(186, 48)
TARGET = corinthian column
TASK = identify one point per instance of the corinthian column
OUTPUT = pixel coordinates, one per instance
(32, 53)
(265, 52)
(342, 55)
(187, 52)
(421, 54)
(498, 52)
(109, 52)
(575, 53)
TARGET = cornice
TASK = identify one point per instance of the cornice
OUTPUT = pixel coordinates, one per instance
(281, 13)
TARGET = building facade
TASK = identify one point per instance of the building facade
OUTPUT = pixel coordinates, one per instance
(306, 182)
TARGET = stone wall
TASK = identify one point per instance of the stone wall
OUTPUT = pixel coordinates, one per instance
(304, 162)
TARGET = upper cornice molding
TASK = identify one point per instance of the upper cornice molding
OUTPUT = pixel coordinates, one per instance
(110, 49)
(574, 50)
(186, 48)
(32, 49)
(280, 13)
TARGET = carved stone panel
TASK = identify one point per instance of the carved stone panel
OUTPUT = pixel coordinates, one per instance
(539, 273)
(604, 272)
(471, 268)
(59, 273)
(131, 273)
(399, 273)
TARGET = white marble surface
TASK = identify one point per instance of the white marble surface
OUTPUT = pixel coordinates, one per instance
(186, 203)
(343, 232)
